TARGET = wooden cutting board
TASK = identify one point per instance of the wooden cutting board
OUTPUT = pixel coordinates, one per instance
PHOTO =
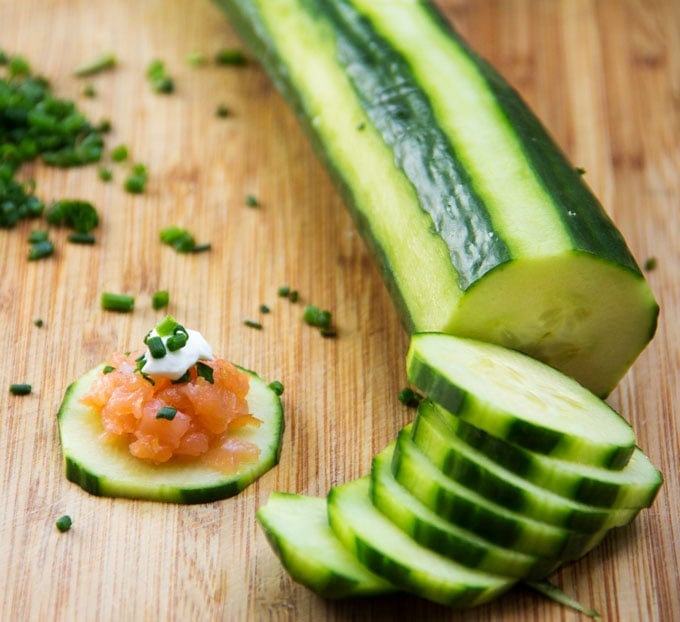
(604, 75)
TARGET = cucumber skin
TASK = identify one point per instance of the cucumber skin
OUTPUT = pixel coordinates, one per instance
(99, 485)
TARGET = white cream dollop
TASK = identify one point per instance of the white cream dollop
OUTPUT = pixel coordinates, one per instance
(175, 364)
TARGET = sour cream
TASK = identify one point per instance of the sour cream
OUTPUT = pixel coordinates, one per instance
(175, 364)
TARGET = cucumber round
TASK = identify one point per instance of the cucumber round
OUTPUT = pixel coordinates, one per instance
(634, 486)
(108, 469)
(297, 528)
(443, 537)
(392, 554)
(519, 399)
(470, 510)
(482, 474)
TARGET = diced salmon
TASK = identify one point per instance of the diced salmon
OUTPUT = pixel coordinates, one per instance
(202, 426)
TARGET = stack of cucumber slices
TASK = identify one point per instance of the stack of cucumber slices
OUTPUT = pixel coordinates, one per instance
(509, 470)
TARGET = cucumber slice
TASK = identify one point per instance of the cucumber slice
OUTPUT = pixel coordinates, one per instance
(437, 534)
(297, 528)
(519, 399)
(391, 553)
(482, 474)
(110, 470)
(470, 510)
(634, 486)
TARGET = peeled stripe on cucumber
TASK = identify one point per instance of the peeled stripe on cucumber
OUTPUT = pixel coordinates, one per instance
(108, 469)
(477, 221)
(519, 399)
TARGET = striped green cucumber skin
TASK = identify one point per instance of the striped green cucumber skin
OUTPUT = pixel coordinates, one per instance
(634, 486)
(392, 554)
(519, 399)
(482, 474)
(110, 470)
(297, 528)
(433, 532)
(473, 191)
(470, 510)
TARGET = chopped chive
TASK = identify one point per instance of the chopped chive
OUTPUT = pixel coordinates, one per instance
(409, 397)
(185, 377)
(222, 111)
(201, 248)
(117, 302)
(96, 65)
(253, 324)
(284, 291)
(18, 66)
(38, 322)
(120, 153)
(37, 235)
(160, 299)
(135, 182)
(264, 309)
(310, 314)
(293, 296)
(166, 412)
(160, 81)
(156, 347)
(176, 342)
(64, 523)
(40, 250)
(251, 201)
(316, 317)
(167, 326)
(277, 387)
(650, 264)
(580, 171)
(196, 59)
(105, 174)
(230, 57)
(205, 372)
(81, 238)
(20, 389)
(108, 369)
(328, 332)
(78, 215)
(89, 91)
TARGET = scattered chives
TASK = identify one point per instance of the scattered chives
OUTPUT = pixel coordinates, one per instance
(177, 341)
(117, 302)
(230, 57)
(264, 309)
(160, 299)
(20, 389)
(108, 369)
(96, 65)
(89, 91)
(284, 291)
(166, 412)
(160, 81)
(81, 238)
(293, 296)
(105, 174)
(76, 214)
(251, 201)
(196, 59)
(135, 183)
(650, 264)
(253, 324)
(38, 322)
(205, 371)
(222, 111)
(64, 523)
(40, 250)
(119, 154)
(156, 347)
(37, 235)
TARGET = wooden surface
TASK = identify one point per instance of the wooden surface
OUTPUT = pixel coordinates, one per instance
(604, 75)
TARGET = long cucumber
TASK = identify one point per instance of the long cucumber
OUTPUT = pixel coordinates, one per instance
(480, 225)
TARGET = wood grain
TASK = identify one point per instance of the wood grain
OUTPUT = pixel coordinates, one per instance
(604, 75)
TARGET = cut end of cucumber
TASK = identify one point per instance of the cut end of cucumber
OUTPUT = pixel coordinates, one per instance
(297, 528)
(108, 469)
(584, 316)
(520, 399)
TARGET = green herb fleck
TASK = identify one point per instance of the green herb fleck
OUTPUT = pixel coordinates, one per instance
(409, 397)
(122, 303)
(81, 238)
(108, 369)
(580, 171)
(105, 174)
(222, 111)
(196, 59)
(135, 182)
(20, 389)
(205, 371)
(253, 324)
(181, 240)
(78, 215)
(64, 523)
(160, 299)
(277, 387)
(120, 153)
(230, 57)
(40, 250)
(38, 322)
(293, 296)
(251, 201)
(96, 65)
(89, 91)
(166, 412)
(264, 309)
(37, 235)
(650, 264)
(156, 347)
(160, 81)
(283, 291)
(177, 341)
